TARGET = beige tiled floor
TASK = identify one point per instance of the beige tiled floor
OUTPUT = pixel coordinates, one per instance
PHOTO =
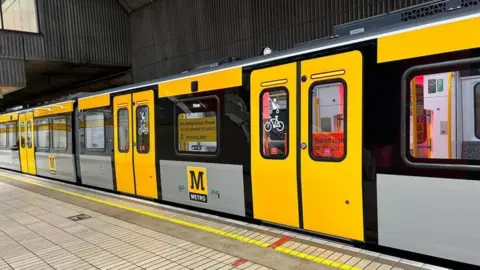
(119, 244)
(35, 233)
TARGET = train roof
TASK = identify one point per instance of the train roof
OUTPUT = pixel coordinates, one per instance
(68, 98)
(313, 46)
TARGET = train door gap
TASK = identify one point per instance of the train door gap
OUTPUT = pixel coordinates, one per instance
(134, 144)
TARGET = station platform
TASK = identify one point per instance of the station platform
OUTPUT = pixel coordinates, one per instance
(46, 224)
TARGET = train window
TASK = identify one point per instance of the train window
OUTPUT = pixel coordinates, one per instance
(143, 132)
(95, 131)
(443, 114)
(196, 121)
(327, 121)
(42, 133)
(123, 131)
(274, 124)
(59, 128)
(477, 109)
(3, 135)
(236, 110)
(12, 135)
(22, 133)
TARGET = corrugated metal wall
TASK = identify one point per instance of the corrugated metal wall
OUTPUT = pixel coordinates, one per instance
(170, 36)
(88, 31)
(78, 31)
(12, 72)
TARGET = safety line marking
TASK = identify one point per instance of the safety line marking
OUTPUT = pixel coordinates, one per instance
(280, 242)
(189, 224)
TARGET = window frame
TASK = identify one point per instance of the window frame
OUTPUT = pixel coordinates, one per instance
(15, 125)
(6, 136)
(118, 129)
(260, 148)
(136, 129)
(30, 143)
(66, 133)
(87, 149)
(37, 147)
(37, 21)
(175, 127)
(475, 119)
(345, 118)
(23, 132)
(408, 75)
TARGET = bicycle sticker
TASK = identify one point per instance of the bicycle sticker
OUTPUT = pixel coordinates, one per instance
(143, 129)
(29, 131)
(273, 122)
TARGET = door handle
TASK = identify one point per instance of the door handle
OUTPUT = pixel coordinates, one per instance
(134, 144)
(303, 146)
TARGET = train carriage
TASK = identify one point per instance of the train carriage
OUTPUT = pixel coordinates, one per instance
(370, 138)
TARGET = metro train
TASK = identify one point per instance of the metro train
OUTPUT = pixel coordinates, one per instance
(370, 137)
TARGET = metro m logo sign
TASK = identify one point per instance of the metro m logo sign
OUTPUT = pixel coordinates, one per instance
(197, 184)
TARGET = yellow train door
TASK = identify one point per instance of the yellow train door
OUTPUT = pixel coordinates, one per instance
(22, 145)
(27, 143)
(331, 143)
(273, 99)
(306, 150)
(134, 136)
(122, 129)
(32, 168)
(144, 144)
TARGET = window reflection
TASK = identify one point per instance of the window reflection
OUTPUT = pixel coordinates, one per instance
(328, 121)
(275, 123)
(60, 133)
(197, 125)
(19, 15)
(444, 112)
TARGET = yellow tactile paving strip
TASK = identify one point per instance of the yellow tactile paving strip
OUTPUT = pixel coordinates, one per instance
(312, 249)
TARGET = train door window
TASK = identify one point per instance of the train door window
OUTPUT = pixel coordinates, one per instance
(196, 124)
(12, 135)
(477, 110)
(274, 123)
(123, 130)
(95, 131)
(59, 127)
(22, 134)
(42, 134)
(327, 121)
(29, 134)
(3, 136)
(143, 133)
